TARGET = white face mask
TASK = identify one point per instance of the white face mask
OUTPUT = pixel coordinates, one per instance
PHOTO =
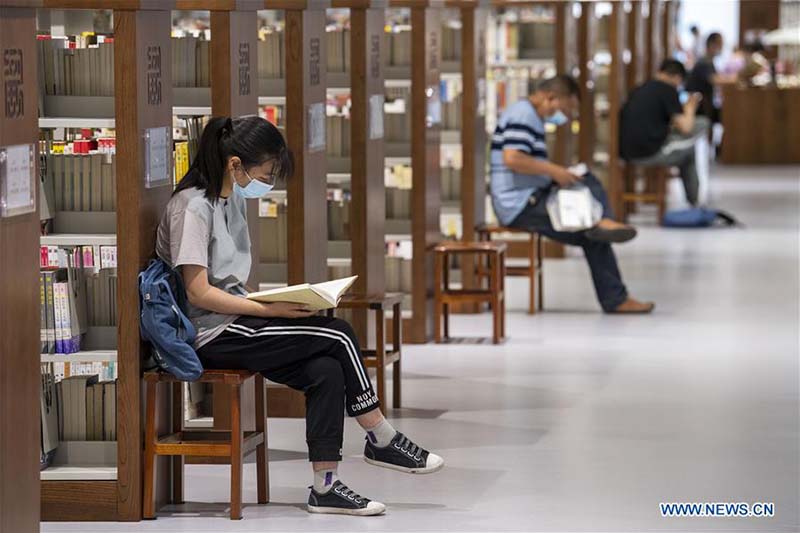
(254, 189)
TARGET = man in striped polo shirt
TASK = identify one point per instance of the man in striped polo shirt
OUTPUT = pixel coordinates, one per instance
(522, 175)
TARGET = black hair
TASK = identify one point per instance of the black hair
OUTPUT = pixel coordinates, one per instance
(694, 29)
(562, 84)
(673, 67)
(712, 38)
(252, 139)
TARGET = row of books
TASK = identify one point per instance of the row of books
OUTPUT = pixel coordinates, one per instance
(191, 62)
(60, 321)
(65, 69)
(181, 158)
(451, 184)
(271, 55)
(82, 182)
(105, 371)
(517, 35)
(451, 112)
(93, 257)
(398, 274)
(397, 127)
(338, 135)
(338, 52)
(87, 408)
(338, 215)
(397, 46)
(451, 43)
(398, 203)
(273, 231)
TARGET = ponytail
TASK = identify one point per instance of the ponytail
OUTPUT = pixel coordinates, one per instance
(252, 139)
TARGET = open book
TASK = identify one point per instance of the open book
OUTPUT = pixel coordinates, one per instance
(318, 296)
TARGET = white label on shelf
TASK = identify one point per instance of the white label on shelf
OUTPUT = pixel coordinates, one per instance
(376, 116)
(17, 180)
(157, 150)
(316, 127)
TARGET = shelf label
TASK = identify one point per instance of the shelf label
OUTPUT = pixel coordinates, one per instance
(314, 57)
(12, 83)
(157, 149)
(154, 75)
(375, 56)
(17, 180)
(376, 116)
(316, 127)
(244, 69)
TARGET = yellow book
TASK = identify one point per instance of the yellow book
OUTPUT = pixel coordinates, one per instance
(317, 296)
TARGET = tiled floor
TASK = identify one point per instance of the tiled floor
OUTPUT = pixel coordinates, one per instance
(585, 422)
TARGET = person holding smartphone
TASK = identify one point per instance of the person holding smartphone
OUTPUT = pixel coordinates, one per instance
(659, 125)
(203, 235)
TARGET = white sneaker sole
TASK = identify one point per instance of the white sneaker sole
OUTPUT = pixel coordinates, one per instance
(367, 511)
(424, 470)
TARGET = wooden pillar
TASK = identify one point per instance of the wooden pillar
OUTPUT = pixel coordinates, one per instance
(667, 26)
(586, 35)
(234, 93)
(367, 204)
(635, 74)
(474, 20)
(143, 109)
(19, 292)
(306, 81)
(616, 97)
(653, 51)
(425, 160)
(566, 63)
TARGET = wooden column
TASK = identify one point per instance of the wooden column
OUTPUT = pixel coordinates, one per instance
(306, 81)
(635, 74)
(19, 293)
(667, 25)
(653, 51)
(234, 93)
(367, 204)
(425, 161)
(474, 20)
(586, 37)
(142, 81)
(616, 97)
(566, 63)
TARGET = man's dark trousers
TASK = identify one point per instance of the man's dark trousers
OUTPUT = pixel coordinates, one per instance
(611, 292)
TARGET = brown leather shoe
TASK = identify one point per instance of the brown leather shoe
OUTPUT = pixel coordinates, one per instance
(633, 307)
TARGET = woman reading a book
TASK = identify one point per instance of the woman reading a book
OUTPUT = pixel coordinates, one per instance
(203, 234)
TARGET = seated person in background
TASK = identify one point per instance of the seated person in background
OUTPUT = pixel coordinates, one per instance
(521, 177)
(656, 130)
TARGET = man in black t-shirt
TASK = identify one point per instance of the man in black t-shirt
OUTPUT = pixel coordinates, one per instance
(656, 129)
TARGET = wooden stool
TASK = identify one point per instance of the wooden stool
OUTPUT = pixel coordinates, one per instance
(533, 270)
(380, 358)
(655, 188)
(234, 444)
(495, 294)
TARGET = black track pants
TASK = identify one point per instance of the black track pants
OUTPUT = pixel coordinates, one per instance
(318, 355)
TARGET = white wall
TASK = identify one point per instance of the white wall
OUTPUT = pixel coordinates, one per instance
(709, 16)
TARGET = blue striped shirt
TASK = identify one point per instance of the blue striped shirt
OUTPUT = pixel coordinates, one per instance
(519, 128)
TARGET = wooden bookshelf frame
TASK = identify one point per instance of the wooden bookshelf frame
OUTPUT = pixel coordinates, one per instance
(20, 383)
(636, 23)
(567, 62)
(616, 97)
(587, 29)
(654, 51)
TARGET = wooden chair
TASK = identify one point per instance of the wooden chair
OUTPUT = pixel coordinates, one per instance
(494, 295)
(380, 358)
(533, 270)
(655, 191)
(234, 444)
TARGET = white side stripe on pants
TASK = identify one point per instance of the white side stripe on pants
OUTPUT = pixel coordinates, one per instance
(309, 330)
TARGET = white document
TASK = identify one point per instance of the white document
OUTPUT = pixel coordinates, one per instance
(376, 116)
(316, 127)
(17, 180)
(157, 155)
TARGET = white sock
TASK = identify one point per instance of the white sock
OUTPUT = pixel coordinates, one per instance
(382, 434)
(324, 479)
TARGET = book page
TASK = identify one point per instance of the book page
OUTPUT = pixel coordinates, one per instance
(333, 290)
(574, 208)
(300, 294)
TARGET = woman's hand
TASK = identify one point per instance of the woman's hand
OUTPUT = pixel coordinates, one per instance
(284, 310)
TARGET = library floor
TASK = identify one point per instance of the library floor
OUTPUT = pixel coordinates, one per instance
(581, 421)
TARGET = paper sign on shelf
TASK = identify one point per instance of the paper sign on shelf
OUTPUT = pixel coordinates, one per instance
(17, 180)
(316, 127)
(157, 150)
(376, 116)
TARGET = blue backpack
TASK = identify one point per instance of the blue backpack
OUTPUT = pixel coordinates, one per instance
(164, 325)
(697, 217)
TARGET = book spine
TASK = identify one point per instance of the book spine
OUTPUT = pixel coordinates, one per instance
(58, 319)
(43, 313)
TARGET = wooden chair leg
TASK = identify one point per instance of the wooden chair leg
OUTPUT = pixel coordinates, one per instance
(396, 347)
(661, 191)
(532, 275)
(446, 316)
(495, 299)
(236, 452)
(380, 357)
(503, 290)
(262, 459)
(149, 480)
(177, 426)
(540, 270)
(437, 298)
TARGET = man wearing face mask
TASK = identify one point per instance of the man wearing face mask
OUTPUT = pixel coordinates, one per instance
(658, 125)
(522, 175)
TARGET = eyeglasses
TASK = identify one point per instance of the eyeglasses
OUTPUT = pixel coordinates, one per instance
(270, 179)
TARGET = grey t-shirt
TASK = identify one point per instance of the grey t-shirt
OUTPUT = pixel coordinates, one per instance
(196, 231)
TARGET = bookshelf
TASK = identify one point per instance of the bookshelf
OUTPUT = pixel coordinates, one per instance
(20, 384)
(107, 485)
